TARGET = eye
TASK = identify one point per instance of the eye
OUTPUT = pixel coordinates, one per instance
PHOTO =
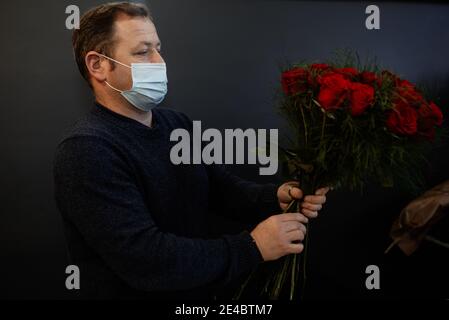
(142, 52)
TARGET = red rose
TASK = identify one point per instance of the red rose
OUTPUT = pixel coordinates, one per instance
(404, 83)
(348, 72)
(432, 112)
(334, 90)
(319, 66)
(436, 113)
(430, 116)
(409, 93)
(291, 80)
(362, 96)
(402, 119)
(368, 77)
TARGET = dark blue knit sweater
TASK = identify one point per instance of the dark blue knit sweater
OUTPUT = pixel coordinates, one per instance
(135, 223)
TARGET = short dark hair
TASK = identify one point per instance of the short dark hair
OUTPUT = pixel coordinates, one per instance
(96, 30)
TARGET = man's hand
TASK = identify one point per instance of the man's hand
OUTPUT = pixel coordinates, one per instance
(310, 206)
(276, 235)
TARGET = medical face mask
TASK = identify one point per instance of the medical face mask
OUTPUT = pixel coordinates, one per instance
(149, 84)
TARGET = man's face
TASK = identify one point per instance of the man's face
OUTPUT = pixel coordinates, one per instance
(136, 40)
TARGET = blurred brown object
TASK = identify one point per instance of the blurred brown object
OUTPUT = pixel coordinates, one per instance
(415, 220)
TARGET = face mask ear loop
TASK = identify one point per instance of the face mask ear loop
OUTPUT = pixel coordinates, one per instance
(113, 87)
(114, 60)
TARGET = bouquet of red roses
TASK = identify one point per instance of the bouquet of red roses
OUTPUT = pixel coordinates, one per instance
(350, 125)
(354, 125)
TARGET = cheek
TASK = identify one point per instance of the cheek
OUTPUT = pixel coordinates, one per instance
(121, 76)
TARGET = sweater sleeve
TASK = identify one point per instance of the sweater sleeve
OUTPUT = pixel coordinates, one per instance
(95, 190)
(237, 198)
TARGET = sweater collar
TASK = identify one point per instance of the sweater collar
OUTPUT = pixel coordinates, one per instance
(126, 122)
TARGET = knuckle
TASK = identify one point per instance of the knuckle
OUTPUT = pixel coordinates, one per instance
(284, 246)
(303, 229)
(282, 238)
(298, 249)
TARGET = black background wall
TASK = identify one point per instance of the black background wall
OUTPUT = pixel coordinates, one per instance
(222, 59)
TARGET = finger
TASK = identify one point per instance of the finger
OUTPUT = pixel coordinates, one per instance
(291, 226)
(315, 199)
(322, 191)
(294, 225)
(286, 196)
(295, 248)
(295, 193)
(293, 183)
(293, 217)
(296, 235)
(311, 206)
(283, 205)
(309, 213)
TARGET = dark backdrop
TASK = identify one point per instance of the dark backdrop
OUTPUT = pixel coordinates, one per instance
(222, 59)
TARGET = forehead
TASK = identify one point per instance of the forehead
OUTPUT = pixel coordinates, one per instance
(133, 30)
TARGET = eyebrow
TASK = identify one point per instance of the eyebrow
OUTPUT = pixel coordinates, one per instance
(149, 44)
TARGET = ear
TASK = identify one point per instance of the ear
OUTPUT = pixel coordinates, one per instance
(96, 66)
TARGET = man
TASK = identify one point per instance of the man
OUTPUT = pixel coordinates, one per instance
(135, 222)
